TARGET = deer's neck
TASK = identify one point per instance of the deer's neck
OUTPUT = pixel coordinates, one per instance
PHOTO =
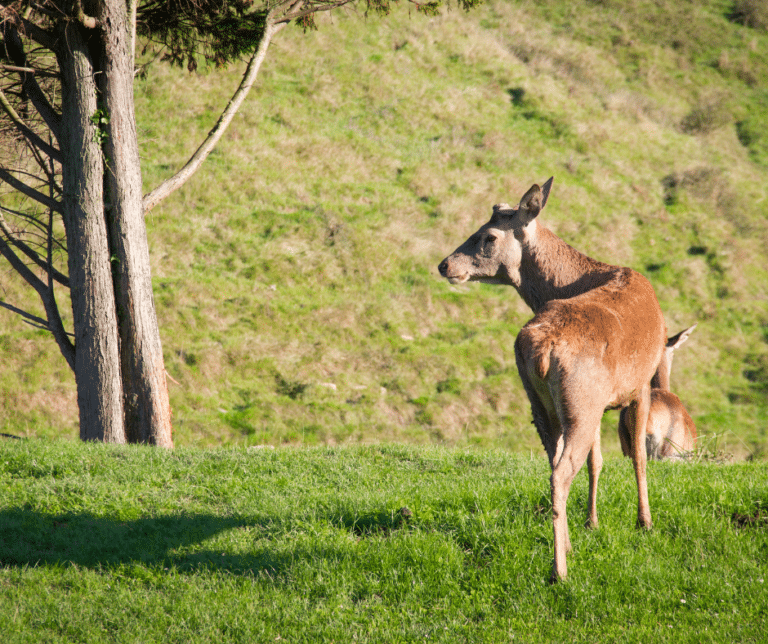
(550, 269)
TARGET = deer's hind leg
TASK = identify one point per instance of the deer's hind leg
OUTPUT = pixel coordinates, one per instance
(595, 466)
(579, 443)
(545, 416)
(641, 409)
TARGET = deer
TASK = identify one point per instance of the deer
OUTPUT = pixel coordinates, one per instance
(670, 432)
(594, 343)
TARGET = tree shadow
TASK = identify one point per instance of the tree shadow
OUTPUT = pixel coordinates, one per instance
(31, 538)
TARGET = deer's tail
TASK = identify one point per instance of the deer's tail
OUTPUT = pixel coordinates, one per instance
(533, 349)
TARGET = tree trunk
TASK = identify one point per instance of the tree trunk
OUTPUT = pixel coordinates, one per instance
(147, 407)
(97, 372)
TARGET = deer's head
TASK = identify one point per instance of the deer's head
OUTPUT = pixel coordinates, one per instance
(494, 253)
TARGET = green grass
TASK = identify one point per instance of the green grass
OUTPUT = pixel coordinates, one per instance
(295, 275)
(126, 544)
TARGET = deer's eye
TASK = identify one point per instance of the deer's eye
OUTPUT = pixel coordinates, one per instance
(490, 239)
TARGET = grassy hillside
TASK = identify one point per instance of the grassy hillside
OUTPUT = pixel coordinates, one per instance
(295, 275)
(130, 544)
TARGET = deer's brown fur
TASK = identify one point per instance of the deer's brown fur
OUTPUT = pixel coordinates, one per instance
(594, 343)
(671, 432)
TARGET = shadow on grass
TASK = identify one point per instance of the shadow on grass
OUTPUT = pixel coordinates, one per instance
(375, 523)
(29, 538)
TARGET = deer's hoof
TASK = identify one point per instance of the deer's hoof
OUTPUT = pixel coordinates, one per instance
(555, 578)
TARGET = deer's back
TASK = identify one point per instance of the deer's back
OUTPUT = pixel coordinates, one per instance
(607, 340)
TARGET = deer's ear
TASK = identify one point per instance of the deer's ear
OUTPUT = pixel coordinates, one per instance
(502, 211)
(531, 204)
(545, 191)
(676, 340)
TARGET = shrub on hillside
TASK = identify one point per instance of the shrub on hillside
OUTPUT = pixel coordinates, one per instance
(750, 13)
(710, 114)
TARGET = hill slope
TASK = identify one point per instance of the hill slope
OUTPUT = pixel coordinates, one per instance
(295, 275)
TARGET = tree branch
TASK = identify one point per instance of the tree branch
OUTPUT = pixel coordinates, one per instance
(28, 317)
(48, 267)
(30, 135)
(46, 296)
(294, 13)
(15, 48)
(89, 22)
(29, 192)
(69, 349)
(32, 219)
(13, 68)
(38, 72)
(176, 181)
(28, 28)
(21, 268)
(49, 301)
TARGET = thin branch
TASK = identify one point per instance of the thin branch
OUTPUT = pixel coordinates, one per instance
(29, 70)
(24, 173)
(44, 10)
(145, 65)
(37, 224)
(15, 48)
(48, 267)
(29, 234)
(28, 28)
(21, 268)
(295, 14)
(30, 135)
(49, 244)
(57, 329)
(30, 217)
(29, 192)
(14, 68)
(28, 317)
(49, 301)
(41, 162)
(176, 181)
(50, 174)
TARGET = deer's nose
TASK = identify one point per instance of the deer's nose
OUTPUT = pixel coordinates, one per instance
(443, 268)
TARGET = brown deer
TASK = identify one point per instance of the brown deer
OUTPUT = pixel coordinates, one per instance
(594, 343)
(671, 432)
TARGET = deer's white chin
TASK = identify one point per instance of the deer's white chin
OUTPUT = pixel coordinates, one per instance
(458, 279)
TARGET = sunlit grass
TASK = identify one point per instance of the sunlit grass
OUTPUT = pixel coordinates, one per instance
(375, 544)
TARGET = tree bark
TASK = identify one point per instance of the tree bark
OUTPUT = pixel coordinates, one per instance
(97, 356)
(147, 407)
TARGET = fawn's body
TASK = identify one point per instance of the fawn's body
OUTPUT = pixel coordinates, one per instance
(671, 432)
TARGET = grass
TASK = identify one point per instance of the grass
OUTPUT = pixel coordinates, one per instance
(295, 275)
(385, 543)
